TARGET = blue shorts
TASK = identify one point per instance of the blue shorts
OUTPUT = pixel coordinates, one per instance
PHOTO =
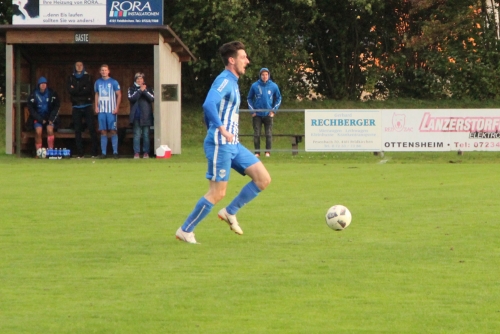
(107, 121)
(40, 125)
(221, 158)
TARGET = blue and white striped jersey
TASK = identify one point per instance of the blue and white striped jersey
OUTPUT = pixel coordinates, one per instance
(222, 107)
(107, 94)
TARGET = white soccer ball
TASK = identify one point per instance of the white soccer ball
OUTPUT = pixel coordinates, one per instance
(338, 217)
(41, 153)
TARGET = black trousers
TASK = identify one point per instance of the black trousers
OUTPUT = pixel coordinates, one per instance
(86, 113)
(268, 128)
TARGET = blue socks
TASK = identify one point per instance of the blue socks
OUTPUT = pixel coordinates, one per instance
(114, 143)
(104, 144)
(203, 207)
(201, 210)
(248, 193)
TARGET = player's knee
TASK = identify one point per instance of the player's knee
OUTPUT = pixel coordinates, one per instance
(264, 182)
(215, 197)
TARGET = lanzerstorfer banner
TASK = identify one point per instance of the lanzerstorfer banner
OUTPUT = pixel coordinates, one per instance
(441, 130)
(87, 12)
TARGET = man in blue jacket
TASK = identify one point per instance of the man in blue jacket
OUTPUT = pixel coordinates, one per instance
(265, 98)
(43, 105)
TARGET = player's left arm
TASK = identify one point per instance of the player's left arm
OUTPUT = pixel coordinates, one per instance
(118, 101)
(277, 101)
(277, 98)
(148, 94)
(56, 105)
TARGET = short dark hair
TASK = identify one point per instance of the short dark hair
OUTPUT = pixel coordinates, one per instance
(230, 50)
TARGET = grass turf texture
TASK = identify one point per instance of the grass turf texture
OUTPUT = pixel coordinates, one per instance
(89, 248)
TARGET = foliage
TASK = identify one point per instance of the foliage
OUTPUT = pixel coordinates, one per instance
(440, 50)
(268, 30)
(337, 49)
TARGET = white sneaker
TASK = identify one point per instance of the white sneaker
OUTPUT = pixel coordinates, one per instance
(185, 236)
(231, 220)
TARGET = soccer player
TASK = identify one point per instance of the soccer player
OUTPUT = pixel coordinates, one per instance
(107, 103)
(222, 148)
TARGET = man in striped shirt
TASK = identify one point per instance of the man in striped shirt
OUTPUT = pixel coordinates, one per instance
(222, 147)
(107, 103)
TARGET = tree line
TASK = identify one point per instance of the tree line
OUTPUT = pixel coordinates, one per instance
(338, 49)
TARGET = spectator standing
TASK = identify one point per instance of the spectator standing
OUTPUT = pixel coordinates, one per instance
(107, 103)
(264, 95)
(80, 88)
(141, 98)
(222, 148)
(43, 105)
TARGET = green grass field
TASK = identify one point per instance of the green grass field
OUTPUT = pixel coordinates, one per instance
(88, 246)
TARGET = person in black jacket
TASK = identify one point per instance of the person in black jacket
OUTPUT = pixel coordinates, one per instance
(43, 105)
(141, 98)
(80, 87)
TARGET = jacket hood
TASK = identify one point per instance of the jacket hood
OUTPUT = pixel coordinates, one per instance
(264, 69)
(41, 81)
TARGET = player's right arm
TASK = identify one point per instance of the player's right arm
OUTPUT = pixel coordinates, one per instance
(250, 97)
(96, 103)
(32, 108)
(210, 109)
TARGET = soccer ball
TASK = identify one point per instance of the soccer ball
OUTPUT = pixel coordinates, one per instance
(41, 153)
(338, 217)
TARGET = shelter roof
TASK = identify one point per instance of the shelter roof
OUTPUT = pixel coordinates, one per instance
(169, 36)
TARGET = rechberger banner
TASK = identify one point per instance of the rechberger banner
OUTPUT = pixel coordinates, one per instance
(408, 130)
(402, 130)
(87, 12)
(342, 130)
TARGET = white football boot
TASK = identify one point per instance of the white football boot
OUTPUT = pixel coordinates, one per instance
(231, 220)
(185, 236)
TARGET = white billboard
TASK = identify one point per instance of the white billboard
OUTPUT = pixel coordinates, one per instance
(342, 130)
(87, 12)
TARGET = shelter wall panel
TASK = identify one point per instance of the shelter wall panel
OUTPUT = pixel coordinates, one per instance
(168, 113)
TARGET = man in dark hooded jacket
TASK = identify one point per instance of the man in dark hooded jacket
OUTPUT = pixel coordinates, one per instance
(43, 105)
(141, 99)
(80, 87)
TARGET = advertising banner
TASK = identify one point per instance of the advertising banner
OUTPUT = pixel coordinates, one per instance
(342, 130)
(87, 12)
(407, 130)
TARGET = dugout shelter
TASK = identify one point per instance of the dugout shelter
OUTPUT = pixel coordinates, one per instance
(51, 51)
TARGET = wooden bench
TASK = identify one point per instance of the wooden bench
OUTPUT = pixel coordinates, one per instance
(65, 132)
(295, 139)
